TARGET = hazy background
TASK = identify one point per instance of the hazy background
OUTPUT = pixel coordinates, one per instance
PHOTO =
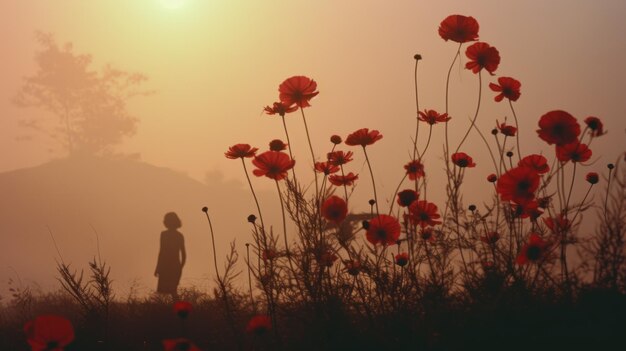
(214, 64)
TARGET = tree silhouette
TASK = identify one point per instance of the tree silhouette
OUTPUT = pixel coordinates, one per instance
(88, 106)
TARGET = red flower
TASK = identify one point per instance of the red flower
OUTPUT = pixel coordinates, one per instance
(406, 197)
(534, 251)
(259, 325)
(492, 178)
(525, 209)
(334, 209)
(459, 28)
(490, 238)
(462, 160)
(353, 267)
(508, 88)
(277, 145)
(363, 137)
(297, 90)
(383, 229)
(402, 259)
(326, 167)
(596, 126)
(558, 127)
(535, 162)
(518, 184)
(339, 158)
(506, 129)
(592, 177)
(482, 55)
(423, 213)
(340, 180)
(428, 234)
(49, 333)
(414, 169)
(558, 225)
(180, 344)
(272, 164)
(575, 152)
(182, 309)
(432, 117)
(280, 109)
(240, 150)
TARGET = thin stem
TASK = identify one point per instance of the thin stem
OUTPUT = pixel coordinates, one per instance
(306, 129)
(213, 244)
(256, 200)
(457, 55)
(480, 86)
(293, 169)
(519, 151)
(417, 107)
(282, 209)
(430, 132)
(373, 182)
(250, 277)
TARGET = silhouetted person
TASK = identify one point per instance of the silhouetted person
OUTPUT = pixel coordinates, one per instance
(172, 256)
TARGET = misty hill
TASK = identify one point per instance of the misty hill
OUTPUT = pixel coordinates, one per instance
(124, 201)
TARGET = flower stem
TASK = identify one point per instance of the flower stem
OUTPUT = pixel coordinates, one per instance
(480, 86)
(256, 200)
(519, 151)
(373, 182)
(213, 244)
(306, 129)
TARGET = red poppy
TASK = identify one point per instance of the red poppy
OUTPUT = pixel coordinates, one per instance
(482, 55)
(428, 234)
(492, 178)
(462, 160)
(575, 152)
(536, 162)
(334, 209)
(49, 333)
(526, 209)
(383, 229)
(558, 127)
(459, 28)
(326, 168)
(259, 325)
(402, 259)
(272, 164)
(339, 158)
(182, 309)
(490, 238)
(180, 344)
(518, 184)
(508, 88)
(297, 90)
(363, 137)
(414, 169)
(353, 267)
(406, 197)
(592, 177)
(596, 126)
(534, 251)
(341, 180)
(423, 213)
(280, 109)
(277, 145)
(240, 150)
(432, 117)
(506, 129)
(558, 225)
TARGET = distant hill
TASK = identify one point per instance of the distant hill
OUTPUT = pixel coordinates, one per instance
(124, 200)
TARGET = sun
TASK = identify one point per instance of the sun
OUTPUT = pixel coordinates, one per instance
(173, 4)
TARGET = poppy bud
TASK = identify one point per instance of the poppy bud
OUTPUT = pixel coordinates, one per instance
(366, 225)
(372, 202)
(205, 209)
(610, 166)
(472, 208)
(492, 178)
(417, 57)
(277, 145)
(509, 154)
(494, 131)
(592, 177)
(335, 139)
(251, 218)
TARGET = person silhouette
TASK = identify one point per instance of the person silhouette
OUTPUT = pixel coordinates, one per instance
(172, 256)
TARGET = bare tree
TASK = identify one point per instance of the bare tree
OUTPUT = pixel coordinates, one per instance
(89, 106)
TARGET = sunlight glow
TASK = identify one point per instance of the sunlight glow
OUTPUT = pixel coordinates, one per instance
(173, 4)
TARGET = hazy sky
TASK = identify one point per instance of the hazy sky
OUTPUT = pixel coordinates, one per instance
(215, 63)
